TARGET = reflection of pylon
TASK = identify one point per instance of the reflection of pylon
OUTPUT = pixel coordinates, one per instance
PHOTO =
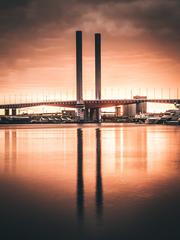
(80, 177)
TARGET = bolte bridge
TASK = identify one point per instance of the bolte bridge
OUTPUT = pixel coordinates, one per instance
(88, 103)
(90, 109)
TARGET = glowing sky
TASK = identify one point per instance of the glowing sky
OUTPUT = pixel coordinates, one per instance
(140, 45)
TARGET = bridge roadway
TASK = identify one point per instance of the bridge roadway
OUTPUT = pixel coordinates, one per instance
(88, 103)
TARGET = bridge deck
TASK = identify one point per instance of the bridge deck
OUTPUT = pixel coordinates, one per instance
(89, 103)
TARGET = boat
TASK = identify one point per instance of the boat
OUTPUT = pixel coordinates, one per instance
(152, 120)
(14, 120)
(173, 122)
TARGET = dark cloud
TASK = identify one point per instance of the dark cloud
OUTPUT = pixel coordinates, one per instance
(4, 4)
(149, 15)
(23, 22)
(157, 20)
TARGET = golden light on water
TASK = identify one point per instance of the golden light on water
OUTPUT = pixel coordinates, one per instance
(127, 155)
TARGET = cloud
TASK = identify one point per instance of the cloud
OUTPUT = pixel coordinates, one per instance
(23, 23)
(4, 4)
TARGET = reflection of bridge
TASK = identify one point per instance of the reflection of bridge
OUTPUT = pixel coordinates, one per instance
(89, 109)
(80, 176)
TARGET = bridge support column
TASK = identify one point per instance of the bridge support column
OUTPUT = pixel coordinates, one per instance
(87, 115)
(141, 107)
(80, 113)
(95, 114)
(91, 114)
(138, 108)
(7, 112)
(98, 115)
(118, 111)
(14, 112)
(129, 110)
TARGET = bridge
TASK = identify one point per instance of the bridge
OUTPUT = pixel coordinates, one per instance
(90, 109)
(88, 103)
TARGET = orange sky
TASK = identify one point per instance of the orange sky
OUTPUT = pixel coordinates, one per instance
(138, 51)
(50, 69)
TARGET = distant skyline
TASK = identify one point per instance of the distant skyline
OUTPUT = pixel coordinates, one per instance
(140, 44)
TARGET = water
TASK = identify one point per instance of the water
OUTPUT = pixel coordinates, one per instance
(108, 181)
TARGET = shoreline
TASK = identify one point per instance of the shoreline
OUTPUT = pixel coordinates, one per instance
(88, 123)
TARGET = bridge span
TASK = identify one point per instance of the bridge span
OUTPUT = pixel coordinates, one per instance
(90, 109)
(88, 103)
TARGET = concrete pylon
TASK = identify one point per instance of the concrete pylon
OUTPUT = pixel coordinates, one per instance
(14, 111)
(141, 107)
(79, 76)
(79, 72)
(98, 72)
(7, 112)
(98, 65)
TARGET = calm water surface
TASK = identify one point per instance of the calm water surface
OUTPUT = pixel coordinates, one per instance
(107, 181)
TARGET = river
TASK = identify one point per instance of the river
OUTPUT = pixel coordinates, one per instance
(108, 181)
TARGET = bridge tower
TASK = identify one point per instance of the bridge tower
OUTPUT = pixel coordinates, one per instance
(96, 113)
(98, 65)
(79, 76)
(79, 83)
(98, 73)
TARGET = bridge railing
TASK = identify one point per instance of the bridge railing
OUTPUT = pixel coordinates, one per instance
(107, 93)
